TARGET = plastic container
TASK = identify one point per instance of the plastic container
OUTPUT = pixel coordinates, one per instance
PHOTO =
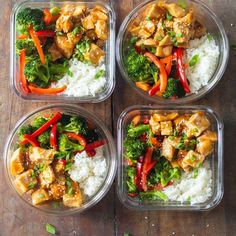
(213, 25)
(109, 150)
(109, 49)
(216, 160)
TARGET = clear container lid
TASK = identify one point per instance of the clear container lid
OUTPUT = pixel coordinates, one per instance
(109, 57)
(215, 161)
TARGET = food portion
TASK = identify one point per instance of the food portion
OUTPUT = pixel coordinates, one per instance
(62, 50)
(59, 158)
(167, 157)
(169, 52)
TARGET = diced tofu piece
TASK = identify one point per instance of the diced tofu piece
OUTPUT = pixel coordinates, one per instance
(87, 22)
(167, 150)
(164, 51)
(154, 12)
(147, 29)
(79, 11)
(99, 8)
(197, 124)
(73, 200)
(59, 167)
(47, 176)
(55, 53)
(166, 41)
(147, 42)
(67, 9)
(166, 128)
(39, 155)
(39, 196)
(192, 160)
(181, 120)
(160, 33)
(208, 135)
(134, 30)
(205, 147)
(101, 29)
(57, 190)
(175, 10)
(92, 35)
(155, 126)
(174, 141)
(65, 46)
(74, 39)
(178, 162)
(96, 54)
(159, 117)
(64, 23)
(98, 15)
(172, 116)
(16, 162)
(25, 181)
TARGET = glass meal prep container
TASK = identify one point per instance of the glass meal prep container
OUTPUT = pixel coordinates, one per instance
(55, 207)
(214, 27)
(215, 160)
(108, 48)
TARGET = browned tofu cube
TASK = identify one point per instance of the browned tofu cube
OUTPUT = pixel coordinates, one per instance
(192, 159)
(159, 117)
(16, 162)
(154, 12)
(39, 196)
(41, 156)
(174, 141)
(197, 124)
(64, 23)
(73, 200)
(57, 190)
(101, 29)
(155, 126)
(59, 167)
(208, 135)
(47, 176)
(87, 22)
(205, 147)
(25, 181)
(167, 150)
(96, 54)
(166, 128)
(175, 10)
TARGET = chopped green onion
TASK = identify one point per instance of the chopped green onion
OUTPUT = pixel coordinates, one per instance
(70, 73)
(50, 229)
(99, 74)
(148, 18)
(209, 37)
(182, 3)
(194, 60)
(133, 40)
(59, 33)
(179, 35)
(159, 38)
(70, 191)
(169, 17)
(195, 173)
(55, 204)
(41, 195)
(127, 234)
(77, 30)
(55, 10)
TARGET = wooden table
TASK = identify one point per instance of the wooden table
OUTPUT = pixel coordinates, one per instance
(109, 217)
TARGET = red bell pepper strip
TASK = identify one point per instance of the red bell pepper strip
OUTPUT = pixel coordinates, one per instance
(44, 127)
(63, 161)
(38, 90)
(46, 33)
(168, 62)
(31, 140)
(91, 153)
(132, 194)
(53, 137)
(22, 36)
(163, 74)
(181, 70)
(47, 17)
(95, 144)
(154, 89)
(77, 137)
(22, 69)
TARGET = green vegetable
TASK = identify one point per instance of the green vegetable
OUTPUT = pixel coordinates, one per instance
(182, 3)
(50, 229)
(30, 17)
(38, 122)
(44, 139)
(127, 234)
(134, 148)
(195, 173)
(169, 17)
(99, 74)
(70, 189)
(81, 48)
(210, 37)
(173, 88)
(77, 30)
(186, 144)
(133, 40)
(26, 44)
(139, 68)
(153, 195)
(130, 179)
(65, 144)
(68, 166)
(148, 18)
(55, 10)
(194, 60)
(26, 129)
(136, 131)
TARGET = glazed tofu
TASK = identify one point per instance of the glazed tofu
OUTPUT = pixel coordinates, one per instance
(147, 28)
(87, 22)
(192, 159)
(101, 29)
(39, 196)
(96, 54)
(205, 147)
(178, 161)
(208, 135)
(67, 9)
(175, 10)
(55, 53)
(79, 11)
(155, 126)
(166, 128)
(25, 181)
(74, 39)
(39, 155)
(167, 150)
(59, 167)
(65, 46)
(174, 141)
(47, 176)
(197, 124)
(64, 23)
(73, 200)
(16, 162)
(98, 14)
(155, 12)
(164, 51)
(165, 41)
(57, 190)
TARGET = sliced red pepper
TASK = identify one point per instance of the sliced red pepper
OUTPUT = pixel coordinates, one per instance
(44, 127)
(154, 89)
(77, 137)
(150, 166)
(31, 140)
(129, 162)
(47, 16)
(38, 90)
(181, 70)
(63, 161)
(91, 153)
(45, 33)
(94, 145)
(168, 62)
(146, 120)
(138, 175)
(22, 69)
(132, 194)
(53, 137)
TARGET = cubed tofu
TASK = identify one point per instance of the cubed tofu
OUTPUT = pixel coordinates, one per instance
(73, 200)
(178, 161)
(57, 190)
(59, 167)
(166, 128)
(47, 176)
(192, 160)
(65, 46)
(16, 162)
(166, 41)
(134, 30)
(208, 135)
(175, 10)
(39, 155)
(164, 51)
(154, 12)
(205, 147)
(39, 196)
(55, 53)
(79, 11)
(67, 9)
(174, 141)
(197, 124)
(159, 117)
(167, 150)
(96, 54)
(64, 23)
(155, 126)
(74, 39)
(146, 42)
(87, 22)
(101, 29)
(25, 181)
(98, 15)
(147, 29)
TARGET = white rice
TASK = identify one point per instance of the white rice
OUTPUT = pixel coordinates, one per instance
(190, 189)
(208, 52)
(89, 172)
(82, 82)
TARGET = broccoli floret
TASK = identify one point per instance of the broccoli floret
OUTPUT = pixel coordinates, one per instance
(59, 68)
(26, 44)
(30, 17)
(65, 144)
(44, 139)
(130, 179)
(26, 129)
(174, 88)
(136, 131)
(153, 195)
(77, 125)
(38, 122)
(139, 68)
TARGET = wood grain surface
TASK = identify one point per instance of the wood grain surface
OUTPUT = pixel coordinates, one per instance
(109, 217)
